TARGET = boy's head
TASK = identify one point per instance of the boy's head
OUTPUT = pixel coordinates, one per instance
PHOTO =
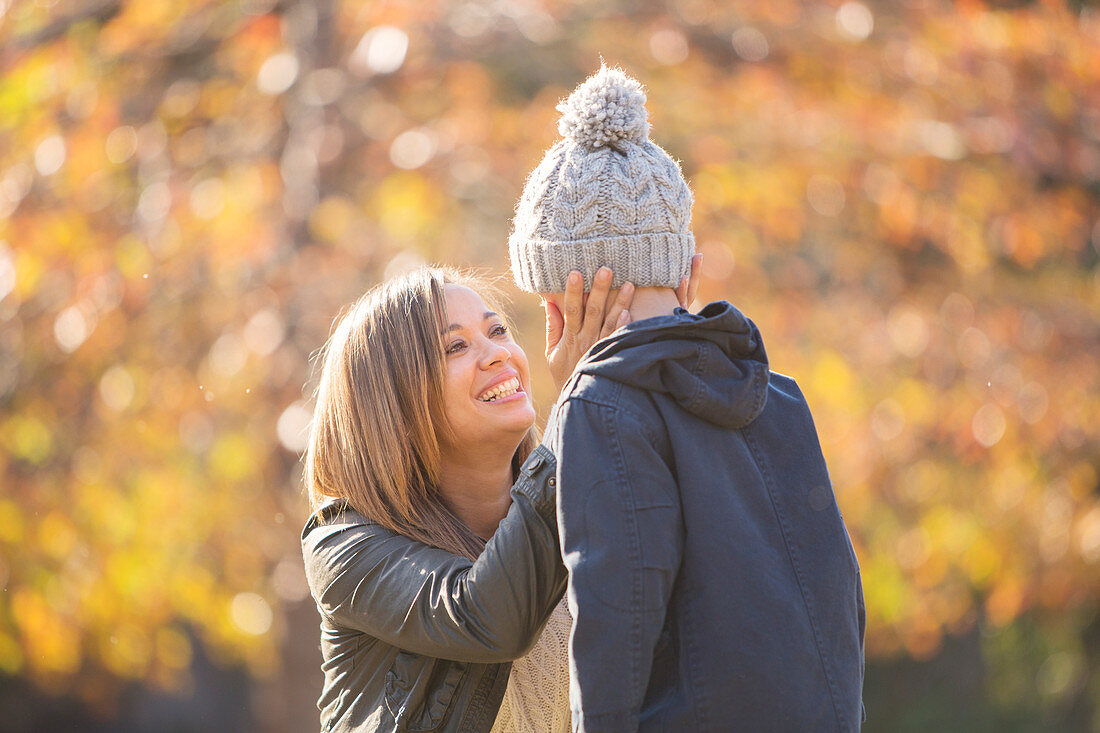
(603, 195)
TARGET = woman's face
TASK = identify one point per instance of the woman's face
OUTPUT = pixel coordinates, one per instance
(487, 387)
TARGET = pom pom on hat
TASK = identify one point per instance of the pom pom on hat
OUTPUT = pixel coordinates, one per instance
(608, 107)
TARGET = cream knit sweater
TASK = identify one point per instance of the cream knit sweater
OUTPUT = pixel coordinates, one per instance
(537, 697)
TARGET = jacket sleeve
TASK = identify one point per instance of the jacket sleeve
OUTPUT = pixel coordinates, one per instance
(428, 601)
(622, 541)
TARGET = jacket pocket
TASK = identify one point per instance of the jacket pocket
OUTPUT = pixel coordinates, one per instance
(420, 690)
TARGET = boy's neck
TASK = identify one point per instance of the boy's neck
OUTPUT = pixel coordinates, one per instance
(652, 302)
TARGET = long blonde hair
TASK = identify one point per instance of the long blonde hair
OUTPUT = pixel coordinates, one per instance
(379, 421)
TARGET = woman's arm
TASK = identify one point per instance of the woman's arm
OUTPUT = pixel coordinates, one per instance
(428, 601)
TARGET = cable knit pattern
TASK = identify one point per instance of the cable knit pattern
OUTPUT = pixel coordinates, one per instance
(537, 697)
(605, 194)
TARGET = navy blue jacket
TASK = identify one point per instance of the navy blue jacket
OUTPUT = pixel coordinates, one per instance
(712, 581)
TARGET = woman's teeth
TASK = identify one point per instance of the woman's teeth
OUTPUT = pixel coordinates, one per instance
(501, 390)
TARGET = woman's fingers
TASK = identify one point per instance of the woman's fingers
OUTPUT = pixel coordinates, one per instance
(563, 352)
(574, 305)
(594, 310)
(619, 309)
(580, 322)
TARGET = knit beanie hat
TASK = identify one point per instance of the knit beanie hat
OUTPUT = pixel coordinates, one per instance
(603, 195)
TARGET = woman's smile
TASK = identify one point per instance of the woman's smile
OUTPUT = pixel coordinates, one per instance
(505, 389)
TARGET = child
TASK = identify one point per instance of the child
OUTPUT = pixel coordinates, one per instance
(711, 579)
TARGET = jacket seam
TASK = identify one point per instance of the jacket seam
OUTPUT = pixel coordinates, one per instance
(600, 399)
(700, 363)
(615, 718)
(696, 689)
(636, 616)
(793, 557)
(761, 393)
(569, 388)
(618, 405)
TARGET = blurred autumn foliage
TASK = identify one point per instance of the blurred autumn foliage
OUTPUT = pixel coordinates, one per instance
(904, 196)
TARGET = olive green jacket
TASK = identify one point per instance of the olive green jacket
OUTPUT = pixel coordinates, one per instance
(414, 638)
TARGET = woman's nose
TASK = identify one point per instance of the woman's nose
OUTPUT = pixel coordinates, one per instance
(494, 353)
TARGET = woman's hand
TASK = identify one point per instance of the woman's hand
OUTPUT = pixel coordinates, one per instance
(584, 322)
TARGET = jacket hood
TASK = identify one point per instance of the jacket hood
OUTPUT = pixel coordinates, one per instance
(712, 363)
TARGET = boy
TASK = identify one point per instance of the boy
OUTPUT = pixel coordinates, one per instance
(711, 580)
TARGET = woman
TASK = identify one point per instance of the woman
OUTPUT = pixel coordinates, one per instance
(432, 551)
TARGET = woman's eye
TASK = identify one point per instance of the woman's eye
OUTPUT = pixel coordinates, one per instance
(498, 330)
(454, 347)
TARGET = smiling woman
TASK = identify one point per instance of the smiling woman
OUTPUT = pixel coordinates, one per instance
(432, 551)
(487, 407)
(387, 410)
